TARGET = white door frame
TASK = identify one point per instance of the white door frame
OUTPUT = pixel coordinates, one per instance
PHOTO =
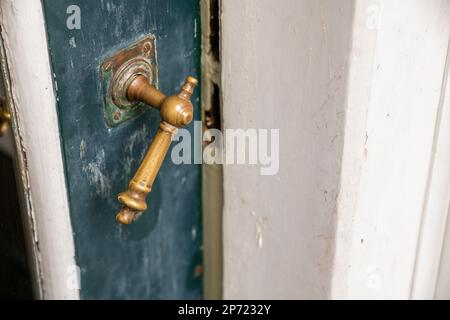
(31, 94)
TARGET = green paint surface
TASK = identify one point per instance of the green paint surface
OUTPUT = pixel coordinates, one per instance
(159, 256)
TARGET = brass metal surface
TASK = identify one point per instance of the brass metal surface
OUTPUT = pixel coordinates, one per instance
(5, 116)
(176, 112)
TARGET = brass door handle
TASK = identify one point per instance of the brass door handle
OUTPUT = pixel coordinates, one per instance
(176, 112)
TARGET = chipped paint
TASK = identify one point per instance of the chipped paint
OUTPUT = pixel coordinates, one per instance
(72, 42)
(259, 225)
(96, 175)
(138, 137)
(259, 237)
(160, 244)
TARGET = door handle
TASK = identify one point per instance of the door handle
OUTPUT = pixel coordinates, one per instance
(176, 111)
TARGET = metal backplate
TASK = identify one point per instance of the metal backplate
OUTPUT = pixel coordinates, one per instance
(116, 73)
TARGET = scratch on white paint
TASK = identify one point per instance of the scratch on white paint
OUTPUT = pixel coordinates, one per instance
(195, 28)
(259, 228)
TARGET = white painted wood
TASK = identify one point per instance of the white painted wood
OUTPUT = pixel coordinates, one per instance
(435, 215)
(38, 139)
(6, 144)
(284, 66)
(443, 281)
(356, 89)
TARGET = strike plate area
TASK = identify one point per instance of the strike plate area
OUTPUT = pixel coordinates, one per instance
(116, 73)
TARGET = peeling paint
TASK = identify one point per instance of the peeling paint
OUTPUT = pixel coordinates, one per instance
(259, 224)
(96, 176)
(82, 149)
(259, 237)
(72, 42)
(139, 136)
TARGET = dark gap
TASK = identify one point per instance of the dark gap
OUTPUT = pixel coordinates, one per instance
(212, 116)
(15, 277)
(15, 274)
(214, 25)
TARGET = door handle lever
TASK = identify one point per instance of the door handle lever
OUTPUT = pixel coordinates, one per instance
(176, 111)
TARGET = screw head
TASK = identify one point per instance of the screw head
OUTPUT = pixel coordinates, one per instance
(146, 48)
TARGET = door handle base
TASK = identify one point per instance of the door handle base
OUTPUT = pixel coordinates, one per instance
(137, 59)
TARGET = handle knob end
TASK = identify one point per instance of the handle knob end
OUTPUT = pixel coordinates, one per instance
(188, 88)
(127, 216)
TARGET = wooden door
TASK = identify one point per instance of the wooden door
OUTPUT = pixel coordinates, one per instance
(160, 255)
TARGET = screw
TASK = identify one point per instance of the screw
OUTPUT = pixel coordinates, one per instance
(117, 115)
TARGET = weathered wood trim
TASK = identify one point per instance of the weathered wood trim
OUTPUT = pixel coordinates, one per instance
(31, 93)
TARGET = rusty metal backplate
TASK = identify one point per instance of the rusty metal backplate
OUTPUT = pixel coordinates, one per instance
(118, 70)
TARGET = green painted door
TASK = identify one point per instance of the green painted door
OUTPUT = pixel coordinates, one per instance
(159, 256)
